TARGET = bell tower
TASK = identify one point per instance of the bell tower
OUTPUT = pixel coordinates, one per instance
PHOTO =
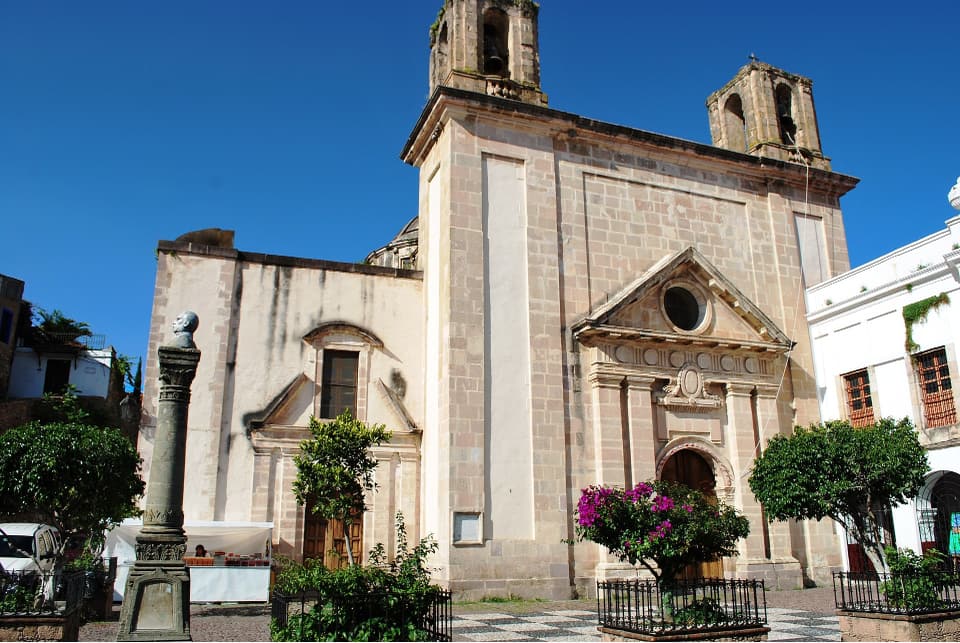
(487, 46)
(765, 111)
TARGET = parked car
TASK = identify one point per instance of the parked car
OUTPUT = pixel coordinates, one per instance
(28, 546)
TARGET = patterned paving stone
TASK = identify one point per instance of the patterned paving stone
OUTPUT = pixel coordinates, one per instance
(581, 625)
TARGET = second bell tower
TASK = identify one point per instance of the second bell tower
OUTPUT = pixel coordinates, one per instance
(487, 46)
(765, 111)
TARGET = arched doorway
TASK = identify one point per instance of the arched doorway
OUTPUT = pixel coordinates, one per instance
(940, 516)
(690, 468)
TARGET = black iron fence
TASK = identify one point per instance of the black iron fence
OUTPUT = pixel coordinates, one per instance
(900, 593)
(312, 616)
(30, 593)
(696, 605)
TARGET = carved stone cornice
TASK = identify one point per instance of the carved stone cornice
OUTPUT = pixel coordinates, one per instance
(767, 390)
(593, 335)
(640, 382)
(740, 389)
(601, 378)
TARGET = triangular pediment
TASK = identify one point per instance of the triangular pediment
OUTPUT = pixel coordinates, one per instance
(294, 405)
(291, 407)
(683, 298)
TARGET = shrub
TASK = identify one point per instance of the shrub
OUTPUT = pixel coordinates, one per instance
(662, 525)
(382, 601)
(915, 581)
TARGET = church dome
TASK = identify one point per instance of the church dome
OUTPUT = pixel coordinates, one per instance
(401, 252)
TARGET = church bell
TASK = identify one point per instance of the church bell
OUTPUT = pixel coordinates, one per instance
(493, 57)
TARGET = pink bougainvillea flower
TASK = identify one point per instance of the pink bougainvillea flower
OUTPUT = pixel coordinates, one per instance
(662, 503)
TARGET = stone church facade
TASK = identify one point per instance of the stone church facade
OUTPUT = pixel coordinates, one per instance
(577, 303)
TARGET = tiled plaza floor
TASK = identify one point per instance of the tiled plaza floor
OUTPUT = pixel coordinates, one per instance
(581, 625)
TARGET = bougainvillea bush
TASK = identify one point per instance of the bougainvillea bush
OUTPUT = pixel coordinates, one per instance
(662, 525)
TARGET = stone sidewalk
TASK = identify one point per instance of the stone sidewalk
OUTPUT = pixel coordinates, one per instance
(805, 615)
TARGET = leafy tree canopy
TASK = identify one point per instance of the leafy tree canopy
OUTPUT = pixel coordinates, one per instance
(833, 470)
(59, 325)
(79, 478)
(335, 468)
(662, 525)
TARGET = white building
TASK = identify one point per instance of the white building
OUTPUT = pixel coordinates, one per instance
(35, 372)
(885, 338)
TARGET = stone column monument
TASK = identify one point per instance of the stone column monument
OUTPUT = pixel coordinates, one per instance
(156, 602)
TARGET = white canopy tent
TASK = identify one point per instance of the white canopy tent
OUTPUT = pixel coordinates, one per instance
(208, 583)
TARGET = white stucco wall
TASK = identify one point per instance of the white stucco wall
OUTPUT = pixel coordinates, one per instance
(856, 321)
(89, 372)
(253, 316)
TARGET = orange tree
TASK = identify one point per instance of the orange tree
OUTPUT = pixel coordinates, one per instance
(833, 470)
(335, 469)
(661, 525)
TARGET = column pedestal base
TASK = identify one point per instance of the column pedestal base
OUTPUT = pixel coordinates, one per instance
(156, 603)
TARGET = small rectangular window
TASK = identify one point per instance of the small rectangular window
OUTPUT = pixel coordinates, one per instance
(936, 389)
(338, 387)
(859, 399)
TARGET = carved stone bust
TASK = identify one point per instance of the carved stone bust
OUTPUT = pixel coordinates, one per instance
(183, 327)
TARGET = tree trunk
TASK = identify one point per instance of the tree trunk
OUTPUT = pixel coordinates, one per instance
(347, 541)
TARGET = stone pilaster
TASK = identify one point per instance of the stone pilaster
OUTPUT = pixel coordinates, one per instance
(742, 451)
(609, 451)
(608, 429)
(157, 605)
(640, 414)
(788, 570)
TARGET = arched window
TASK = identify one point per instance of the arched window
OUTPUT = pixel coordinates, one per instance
(441, 54)
(940, 516)
(788, 126)
(496, 58)
(735, 126)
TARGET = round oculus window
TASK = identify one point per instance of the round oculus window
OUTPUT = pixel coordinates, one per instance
(683, 308)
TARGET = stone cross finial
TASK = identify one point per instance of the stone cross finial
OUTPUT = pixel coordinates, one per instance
(183, 327)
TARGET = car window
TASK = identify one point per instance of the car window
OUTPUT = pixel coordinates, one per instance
(10, 544)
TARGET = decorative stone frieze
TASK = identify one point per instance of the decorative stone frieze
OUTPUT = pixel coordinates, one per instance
(688, 390)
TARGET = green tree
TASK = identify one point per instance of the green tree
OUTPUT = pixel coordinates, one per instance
(137, 382)
(852, 475)
(79, 478)
(56, 325)
(335, 469)
(662, 525)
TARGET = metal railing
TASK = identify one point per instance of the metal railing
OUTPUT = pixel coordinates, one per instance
(897, 593)
(303, 616)
(30, 593)
(697, 605)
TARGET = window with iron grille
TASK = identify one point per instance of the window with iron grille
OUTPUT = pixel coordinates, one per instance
(936, 390)
(859, 400)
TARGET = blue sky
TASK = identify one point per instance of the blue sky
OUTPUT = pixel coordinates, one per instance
(123, 123)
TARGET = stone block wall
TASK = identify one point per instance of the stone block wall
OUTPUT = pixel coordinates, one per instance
(863, 626)
(14, 413)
